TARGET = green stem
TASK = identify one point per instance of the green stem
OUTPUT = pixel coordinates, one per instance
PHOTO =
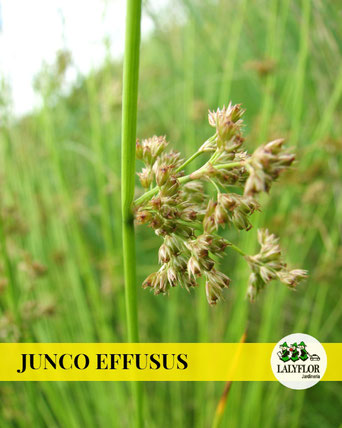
(215, 186)
(192, 224)
(201, 150)
(230, 165)
(237, 249)
(148, 195)
(191, 158)
(129, 123)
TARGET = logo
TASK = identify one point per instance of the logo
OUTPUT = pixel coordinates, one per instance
(298, 361)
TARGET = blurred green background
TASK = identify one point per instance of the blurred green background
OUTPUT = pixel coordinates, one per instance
(60, 272)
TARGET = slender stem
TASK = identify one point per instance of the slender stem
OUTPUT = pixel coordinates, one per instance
(215, 185)
(190, 224)
(201, 150)
(230, 165)
(237, 249)
(148, 195)
(224, 397)
(191, 158)
(129, 121)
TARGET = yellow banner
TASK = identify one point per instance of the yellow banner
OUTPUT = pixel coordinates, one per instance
(147, 362)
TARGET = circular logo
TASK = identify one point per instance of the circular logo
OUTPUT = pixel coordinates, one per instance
(298, 361)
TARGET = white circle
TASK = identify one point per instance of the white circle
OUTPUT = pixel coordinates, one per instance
(298, 361)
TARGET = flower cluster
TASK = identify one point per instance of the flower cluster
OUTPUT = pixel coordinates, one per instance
(159, 165)
(268, 264)
(229, 208)
(267, 162)
(182, 210)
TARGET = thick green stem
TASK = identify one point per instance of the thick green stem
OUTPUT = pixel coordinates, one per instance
(129, 120)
